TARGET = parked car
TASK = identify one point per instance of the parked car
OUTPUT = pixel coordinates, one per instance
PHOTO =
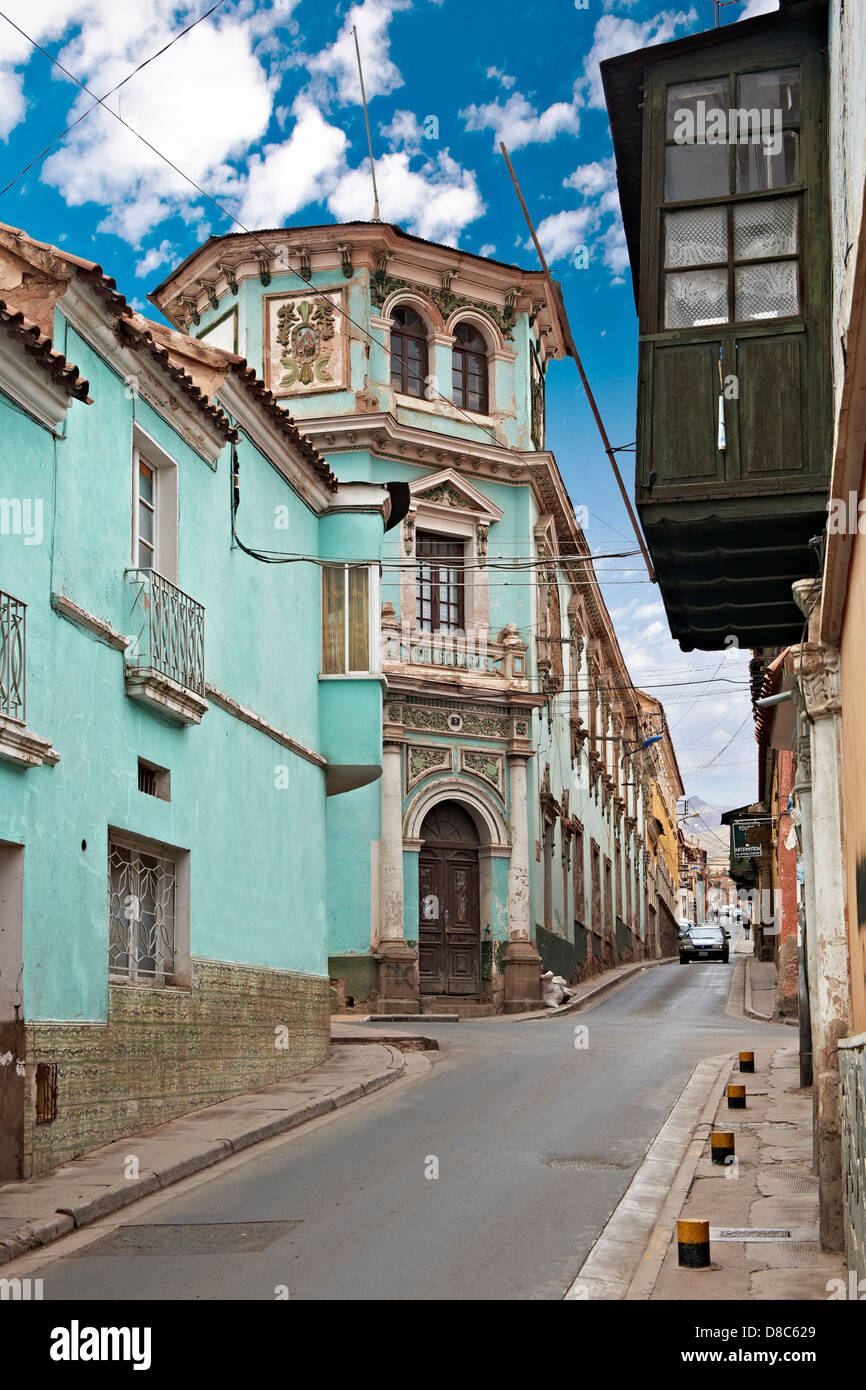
(706, 942)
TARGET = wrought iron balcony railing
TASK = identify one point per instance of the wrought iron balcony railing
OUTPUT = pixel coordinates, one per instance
(169, 631)
(13, 657)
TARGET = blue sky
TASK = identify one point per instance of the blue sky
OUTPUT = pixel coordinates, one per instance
(259, 105)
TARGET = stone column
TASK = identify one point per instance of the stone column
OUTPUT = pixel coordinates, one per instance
(396, 963)
(817, 668)
(521, 961)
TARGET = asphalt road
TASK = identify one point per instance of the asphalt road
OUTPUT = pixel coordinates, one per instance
(535, 1141)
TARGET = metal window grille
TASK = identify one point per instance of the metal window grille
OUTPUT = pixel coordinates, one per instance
(141, 914)
(13, 650)
(170, 640)
(46, 1092)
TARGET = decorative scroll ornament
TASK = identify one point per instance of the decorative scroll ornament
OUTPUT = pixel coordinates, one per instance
(305, 332)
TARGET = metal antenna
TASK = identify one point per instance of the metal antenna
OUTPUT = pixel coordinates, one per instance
(376, 217)
(572, 352)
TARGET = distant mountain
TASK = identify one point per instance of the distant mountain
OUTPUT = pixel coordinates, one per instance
(702, 824)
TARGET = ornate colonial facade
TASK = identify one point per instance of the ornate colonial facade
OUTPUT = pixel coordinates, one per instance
(505, 835)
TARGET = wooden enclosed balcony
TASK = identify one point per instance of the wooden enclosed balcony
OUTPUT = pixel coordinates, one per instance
(720, 147)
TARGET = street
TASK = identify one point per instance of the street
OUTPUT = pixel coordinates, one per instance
(536, 1140)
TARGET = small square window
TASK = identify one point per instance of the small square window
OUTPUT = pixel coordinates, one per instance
(46, 1092)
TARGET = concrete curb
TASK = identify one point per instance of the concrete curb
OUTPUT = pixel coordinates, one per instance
(747, 996)
(43, 1230)
(625, 1261)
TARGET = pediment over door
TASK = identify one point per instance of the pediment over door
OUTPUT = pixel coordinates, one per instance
(449, 492)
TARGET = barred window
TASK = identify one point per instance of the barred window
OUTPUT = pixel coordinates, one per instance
(142, 890)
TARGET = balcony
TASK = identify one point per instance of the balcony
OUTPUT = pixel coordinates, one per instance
(165, 657)
(460, 658)
(17, 743)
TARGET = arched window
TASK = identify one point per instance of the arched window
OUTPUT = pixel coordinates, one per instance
(408, 352)
(469, 369)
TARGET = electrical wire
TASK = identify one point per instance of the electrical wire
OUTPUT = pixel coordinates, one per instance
(98, 101)
(254, 235)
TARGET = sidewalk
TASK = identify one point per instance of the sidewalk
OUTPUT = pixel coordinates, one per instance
(43, 1209)
(772, 1190)
(760, 981)
(762, 1210)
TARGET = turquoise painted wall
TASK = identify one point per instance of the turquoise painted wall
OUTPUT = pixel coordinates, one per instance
(258, 848)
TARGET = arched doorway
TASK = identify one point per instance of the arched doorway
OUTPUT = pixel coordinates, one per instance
(449, 935)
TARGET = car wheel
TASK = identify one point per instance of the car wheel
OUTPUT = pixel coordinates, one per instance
(684, 960)
(725, 958)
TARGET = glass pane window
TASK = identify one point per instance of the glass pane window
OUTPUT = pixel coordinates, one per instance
(696, 297)
(695, 171)
(768, 228)
(345, 619)
(469, 369)
(439, 583)
(771, 162)
(145, 557)
(688, 104)
(408, 352)
(766, 291)
(775, 91)
(696, 237)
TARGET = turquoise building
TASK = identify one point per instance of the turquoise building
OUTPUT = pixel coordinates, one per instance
(506, 835)
(170, 744)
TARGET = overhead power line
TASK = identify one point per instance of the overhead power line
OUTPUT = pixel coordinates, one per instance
(98, 101)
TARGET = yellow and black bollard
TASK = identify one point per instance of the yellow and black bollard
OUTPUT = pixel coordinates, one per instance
(747, 1061)
(721, 1146)
(693, 1244)
(736, 1097)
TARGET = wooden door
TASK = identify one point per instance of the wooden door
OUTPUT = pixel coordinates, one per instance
(449, 937)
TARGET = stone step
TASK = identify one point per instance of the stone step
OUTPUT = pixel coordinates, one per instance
(451, 1004)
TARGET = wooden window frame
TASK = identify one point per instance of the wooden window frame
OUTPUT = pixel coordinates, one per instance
(460, 358)
(343, 667)
(729, 201)
(401, 334)
(435, 537)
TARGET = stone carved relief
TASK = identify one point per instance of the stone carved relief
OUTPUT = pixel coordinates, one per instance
(490, 767)
(436, 720)
(305, 342)
(422, 759)
(820, 680)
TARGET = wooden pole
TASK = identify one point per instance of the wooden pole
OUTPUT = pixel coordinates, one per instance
(553, 300)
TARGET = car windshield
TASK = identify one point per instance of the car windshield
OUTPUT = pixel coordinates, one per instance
(706, 933)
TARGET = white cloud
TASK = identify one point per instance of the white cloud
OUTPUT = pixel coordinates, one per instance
(163, 254)
(303, 169)
(200, 123)
(755, 7)
(592, 179)
(503, 78)
(614, 34)
(518, 123)
(404, 132)
(435, 202)
(563, 232)
(337, 65)
(488, 249)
